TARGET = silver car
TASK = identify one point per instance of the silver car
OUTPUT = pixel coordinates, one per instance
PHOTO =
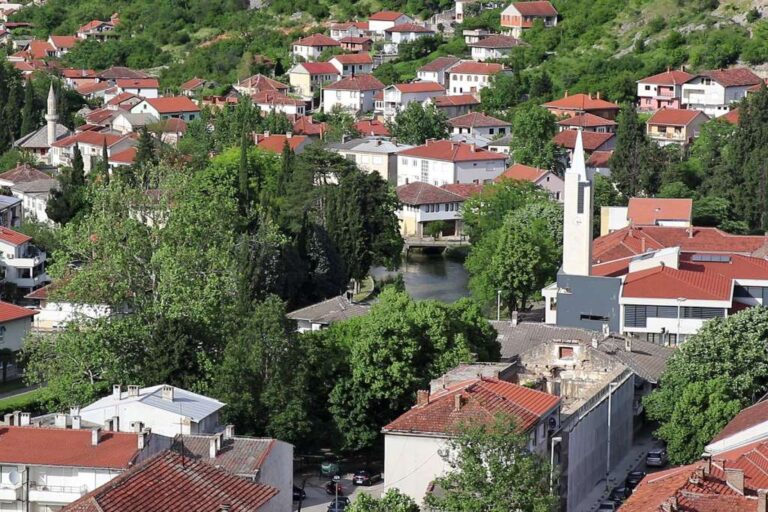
(656, 458)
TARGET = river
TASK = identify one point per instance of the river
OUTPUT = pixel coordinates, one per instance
(430, 276)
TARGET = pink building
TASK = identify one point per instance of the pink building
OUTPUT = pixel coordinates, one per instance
(661, 91)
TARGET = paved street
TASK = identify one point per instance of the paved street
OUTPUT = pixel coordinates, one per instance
(317, 500)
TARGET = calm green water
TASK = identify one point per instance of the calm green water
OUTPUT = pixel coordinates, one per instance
(431, 276)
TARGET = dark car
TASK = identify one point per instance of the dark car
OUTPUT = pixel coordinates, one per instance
(339, 504)
(607, 506)
(656, 458)
(299, 494)
(364, 477)
(620, 493)
(634, 478)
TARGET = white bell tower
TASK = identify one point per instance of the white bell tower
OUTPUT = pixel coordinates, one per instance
(578, 215)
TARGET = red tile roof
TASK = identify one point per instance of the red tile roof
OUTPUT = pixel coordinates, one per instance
(127, 156)
(373, 127)
(66, 447)
(355, 40)
(477, 120)
(305, 125)
(747, 418)
(78, 73)
(669, 283)
(14, 237)
(174, 125)
(39, 49)
(586, 120)
(497, 41)
(91, 88)
(599, 158)
(40, 293)
(591, 140)
(275, 98)
(320, 68)
(89, 137)
(535, 8)
(451, 151)
(439, 64)
(138, 83)
(455, 101)
(63, 41)
(385, 16)
(674, 117)
(353, 58)
(522, 172)
(735, 77)
(418, 193)
(173, 104)
(581, 102)
(192, 84)
(243, 456)
(356, 83)
(169, 481)
(670, 77)
(465, 190)
(477, 68)
(8, 313)
(262, 83)
(417, 87)
(316, 40)
(275, 143)
(731, 117)
(647, 211)
(92, 25)
(24, 173)
(410, 27)
(115, 72)
(478, 400)
(124, 97)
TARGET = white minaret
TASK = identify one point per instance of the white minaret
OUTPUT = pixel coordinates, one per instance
(51, 116)
(577, 211)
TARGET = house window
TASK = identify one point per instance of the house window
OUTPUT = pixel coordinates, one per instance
(647, 87)
(597, 318)
(424, 170)
(565, 353)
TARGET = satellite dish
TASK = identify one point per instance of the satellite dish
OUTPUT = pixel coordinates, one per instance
(14, 477)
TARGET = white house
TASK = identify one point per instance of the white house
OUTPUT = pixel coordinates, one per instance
(543, 178)
(91, 146)
(23, 264)
(663, 90)
(405, 33)
(144, 87)
(269, 101)
(372, 154)
(381, 21)
(62, 44)
(398, 96)
(353, 93)
(422, 204)
(353, 64)
(477, 123)
(470, 77)
(55, 312)
(15, 324)
(345, 29)
(310, 47)
(126, 122)
(307, 77)
(417, 444)
(166, 410)
(496, 46)
(169, 106)
(27, 184)
(441, 162)
(437, 70)
(713, 92)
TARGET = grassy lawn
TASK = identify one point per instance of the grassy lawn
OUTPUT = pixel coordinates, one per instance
(11, 385)
(28, 402)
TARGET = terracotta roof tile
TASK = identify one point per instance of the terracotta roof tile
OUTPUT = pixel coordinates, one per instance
(9, 312)
(353, 58)
(647, 211)
(591, 140)
(116, 72)
(674, 117)
(440, 64)
(275, 143)
(316, 40)
(355, 40)
(465, 190)
(138, 83)
(599, 158)
(586, 120)
(581, 102)
(372, 127)
(731, 117)
(385, 16)
(320, 68)
(356, 83)
(477, 68)
(24, 173)
(497, 41)
(63, 41)
(410, 27)
(275, 98)
(192, 84)
(306, 125)
(536, 8)
(523, 173)
(173, 104)
(748, 417)
(450, 151)
(127, 156)
(477, 120)
(417, 87)
(242, 456)
(455, 101)
(88, 137)
(262, 83)
(418, 193)
(671, 77)
(734, 77)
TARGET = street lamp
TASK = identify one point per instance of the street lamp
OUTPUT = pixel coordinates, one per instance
(554, 440)
(679, 300)
(498, 305)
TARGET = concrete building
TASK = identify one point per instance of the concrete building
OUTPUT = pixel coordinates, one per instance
(477, 123)
(543, 178)
(576, 104)
(494, 47)
(354, 94)
(673, 126)
(54, 311)
(180, 107)
(519, 16)
(372, 155)
(441, 162)
(353, 64)
(422, 204)
(397, 97)
(310, 47)
(23, 264)
(664, 90)
(91, 145)
(713, 92)
(471, 77)
(144, 87)
(379, 22)
(166, 410)
(437, 70)
(319, 316)
(404, 33)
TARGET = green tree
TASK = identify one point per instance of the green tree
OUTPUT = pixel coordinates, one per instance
(492, 470)
(341, 125)
(416, 123)
(485, 212)
(28, 120)
(634, 168)
(392, 501)
(70, 198)
(727, 363)
(532, 130)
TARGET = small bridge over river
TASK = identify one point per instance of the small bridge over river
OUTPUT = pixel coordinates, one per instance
(442, 242)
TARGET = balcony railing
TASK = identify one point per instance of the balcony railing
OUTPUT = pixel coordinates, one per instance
(55, 493)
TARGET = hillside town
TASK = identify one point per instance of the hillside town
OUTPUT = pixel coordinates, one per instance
(393, 262)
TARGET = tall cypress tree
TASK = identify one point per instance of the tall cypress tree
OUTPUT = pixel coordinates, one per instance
(750, 160)
(244, 177)
(632, 164)
(28, 114)
(105, 162)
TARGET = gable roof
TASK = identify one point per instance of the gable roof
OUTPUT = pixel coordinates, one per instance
(439, 64)
(10, 312)
(169, 481)
(674, 117)
(127, 156)
(581, 102)
(12, 237)
(418, 193)
(669, 77)
(173, 104)
(306, 125)
(417, 87)
(356, 83)
(91, 138)
(23, 173)
(477, 120)
(319, 68)
(330, 310)
(731, 117)
(196, 407)
(465, 190)
(647, 211)
(477, 68)
(63, 41)
(192, 84)
(260, 82)
(115, 72)
(599, 159)
(477, 400)
(372, 127)
(355, 40)
(410, 27)
(455, 100)
(535, 8)
(497, 41)
(137, 83)
(591, 140)
(734, 77)
(275, 143)
(274, 98)
(242, 456)
(747, 418)
(41, 446)
(39, 49)
(353, 58)
(316, 40)
(385, 16)
(522, 172)
(586, 120)
(452, 152)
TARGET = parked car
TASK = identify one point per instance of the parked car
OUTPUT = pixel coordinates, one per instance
(299, 494)
(329, 468)
(334, 488)
(634, 478)
(607, 506)
(339, 504)
(619, 494)
(364, 477)
(656, 458)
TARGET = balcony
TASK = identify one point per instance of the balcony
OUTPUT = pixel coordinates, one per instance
(30, 282)
(55, 494)
(31, 257)
(10, 492)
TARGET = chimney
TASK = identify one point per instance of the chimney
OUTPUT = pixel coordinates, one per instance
(266, 134)
(594, 343)
(212, 449)
(690, 231)
(229, 432)
(24, 419)
(566, 93)
(8, 419)
(95, 436)
(288, 135)
(76, 423)
(670, 505)
(141, 438)
(116, 392)
(422, 397)
(115, 423)
(598, 94)
(224, 507)
(167, 392)
(133, 390)
(472, 147)
(60, 420)
(74, 411)
(107, 425)
(762, 500)
(606, 330)
(734, 477)
(136, 426)
(628, 344)
(515, 317)
(457, 402)
(707, 458)
(16, 422)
